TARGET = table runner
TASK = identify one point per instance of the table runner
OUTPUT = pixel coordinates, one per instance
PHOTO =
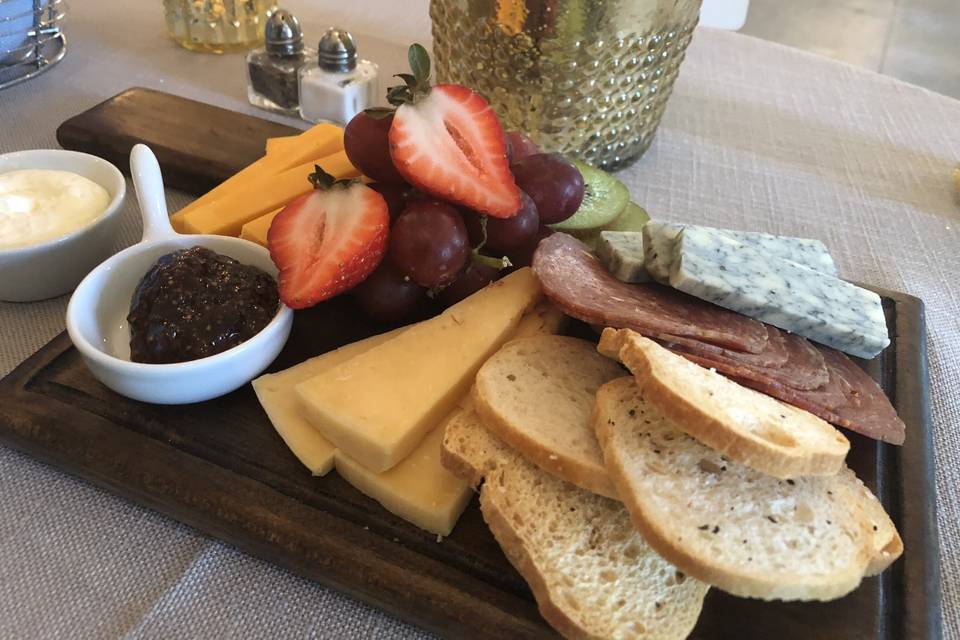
(756, 136)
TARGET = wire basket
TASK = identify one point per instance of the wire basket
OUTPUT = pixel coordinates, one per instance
(31, 38)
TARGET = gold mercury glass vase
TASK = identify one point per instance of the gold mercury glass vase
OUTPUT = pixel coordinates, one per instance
(217, 26)
(589, 78)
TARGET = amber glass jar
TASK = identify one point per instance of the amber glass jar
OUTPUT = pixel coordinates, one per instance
(217, 26)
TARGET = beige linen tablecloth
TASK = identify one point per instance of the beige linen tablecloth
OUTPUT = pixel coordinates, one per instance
(757, 136)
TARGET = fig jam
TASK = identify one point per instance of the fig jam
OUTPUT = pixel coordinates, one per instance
(195, 303)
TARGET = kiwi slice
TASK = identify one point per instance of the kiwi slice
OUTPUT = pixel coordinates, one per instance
(588, 237)
(632, 219)
(604, 198)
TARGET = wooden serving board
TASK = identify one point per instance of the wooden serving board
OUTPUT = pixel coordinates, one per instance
(220, 467)
(198, 145)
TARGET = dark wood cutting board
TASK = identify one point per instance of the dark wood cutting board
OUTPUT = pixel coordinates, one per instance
(198, 145)
(220, 467)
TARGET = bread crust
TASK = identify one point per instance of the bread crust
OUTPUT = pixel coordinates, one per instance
(783, 462)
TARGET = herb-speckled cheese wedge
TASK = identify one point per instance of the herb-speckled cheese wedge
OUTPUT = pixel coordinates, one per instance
(659, 239)
(712, 266)
(621, 252)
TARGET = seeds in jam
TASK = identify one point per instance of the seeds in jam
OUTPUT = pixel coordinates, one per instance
(195, 303)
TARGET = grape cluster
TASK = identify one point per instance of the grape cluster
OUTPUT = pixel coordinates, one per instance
(442, 252)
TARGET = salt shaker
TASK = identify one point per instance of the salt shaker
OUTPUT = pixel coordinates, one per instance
(338, 86)
(272, 70)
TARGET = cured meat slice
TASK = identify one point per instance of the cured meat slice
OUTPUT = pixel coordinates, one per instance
(577, 282)
(851, 399)
(793, 361)
(868, 410)
(774, 353)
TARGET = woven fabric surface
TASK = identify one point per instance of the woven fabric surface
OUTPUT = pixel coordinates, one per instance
(756, 136)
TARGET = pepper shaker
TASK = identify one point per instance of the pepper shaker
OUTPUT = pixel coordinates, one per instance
(339, 85)
(272, 69)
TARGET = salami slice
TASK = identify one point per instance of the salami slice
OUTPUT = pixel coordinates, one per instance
(774, 353)
(795, 363)
(851, 399)
(578, 283)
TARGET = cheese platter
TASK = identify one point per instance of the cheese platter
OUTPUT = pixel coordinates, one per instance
(662, 421)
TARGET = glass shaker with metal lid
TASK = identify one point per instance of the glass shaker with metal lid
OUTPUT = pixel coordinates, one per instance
(340, 84)
(272, 70)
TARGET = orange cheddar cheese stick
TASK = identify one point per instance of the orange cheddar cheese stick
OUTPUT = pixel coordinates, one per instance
(282, 144)
(226, 215)
(311, 145)
(256, 230)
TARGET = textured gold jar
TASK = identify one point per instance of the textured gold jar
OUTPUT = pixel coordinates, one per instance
(589, 78)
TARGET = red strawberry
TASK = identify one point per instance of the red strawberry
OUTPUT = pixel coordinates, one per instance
(328, 241)
(449, 143)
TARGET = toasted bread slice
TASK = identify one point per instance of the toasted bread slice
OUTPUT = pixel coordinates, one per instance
(886, 543)
(591, 572)
(537, 395)
(742, 424)
(731, 526)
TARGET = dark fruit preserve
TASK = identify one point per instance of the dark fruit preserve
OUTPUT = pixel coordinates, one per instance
(195, 303)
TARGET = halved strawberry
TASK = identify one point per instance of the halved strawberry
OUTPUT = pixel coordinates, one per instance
(447, 141)
(450, 144)
(328, 241)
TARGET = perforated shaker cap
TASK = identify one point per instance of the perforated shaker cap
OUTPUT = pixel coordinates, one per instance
(337, 50)
(282, 34)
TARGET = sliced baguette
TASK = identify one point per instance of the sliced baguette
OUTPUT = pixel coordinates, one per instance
(537, 395)
(733, 527)
(744, 425)
(591, 572)
(885, 541)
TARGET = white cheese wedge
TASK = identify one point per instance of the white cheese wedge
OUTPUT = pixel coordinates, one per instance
(713, 267)
(418, 489)
(277, 397)
(659, 239)
(621, 252)
(378, 405)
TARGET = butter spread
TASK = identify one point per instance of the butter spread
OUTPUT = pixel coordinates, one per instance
(37, 205)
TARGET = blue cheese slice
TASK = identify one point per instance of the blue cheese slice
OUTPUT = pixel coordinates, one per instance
(714, 267)
(659, 239)
(621, 252)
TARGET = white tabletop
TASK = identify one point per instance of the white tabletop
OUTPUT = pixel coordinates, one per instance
(756, 136)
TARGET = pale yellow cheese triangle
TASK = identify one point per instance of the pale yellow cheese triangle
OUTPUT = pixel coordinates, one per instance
(418, 489)
(276, 395)
(377, 406)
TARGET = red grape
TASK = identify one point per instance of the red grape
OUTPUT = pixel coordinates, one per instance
(552, 182)
(523, 257)
(387, 296)
(520, 146)
(474, 278)
(365, 141)
(395, 193)
(429, 243)
(505, 234)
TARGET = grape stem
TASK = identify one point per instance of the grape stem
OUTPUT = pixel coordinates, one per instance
(488, 261)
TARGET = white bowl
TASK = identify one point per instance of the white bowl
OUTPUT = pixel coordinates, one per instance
(97, 313)
(54, 267)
